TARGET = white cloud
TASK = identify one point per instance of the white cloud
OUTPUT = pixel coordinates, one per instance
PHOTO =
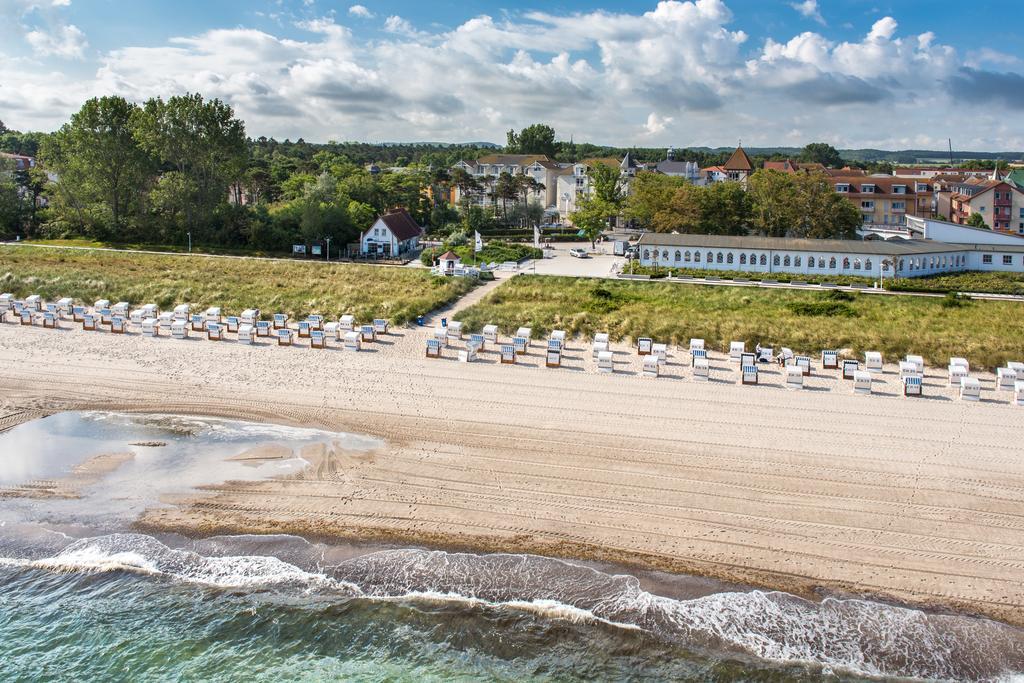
(682, 73)
(360, 11)
(66, 41)
(809, 9)
(61, 3)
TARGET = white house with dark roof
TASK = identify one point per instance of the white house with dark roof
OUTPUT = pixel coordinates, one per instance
(392, 234)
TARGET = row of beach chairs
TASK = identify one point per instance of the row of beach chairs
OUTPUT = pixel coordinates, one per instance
(180, 322)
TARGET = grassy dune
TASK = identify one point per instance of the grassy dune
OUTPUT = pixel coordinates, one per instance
(986, 332)
(233, 284)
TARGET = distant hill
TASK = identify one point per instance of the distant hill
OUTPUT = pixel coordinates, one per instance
(903, 156)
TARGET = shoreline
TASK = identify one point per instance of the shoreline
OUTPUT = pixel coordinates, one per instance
(912, 502)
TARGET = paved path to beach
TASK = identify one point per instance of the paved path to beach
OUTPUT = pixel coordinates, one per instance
(920, 500)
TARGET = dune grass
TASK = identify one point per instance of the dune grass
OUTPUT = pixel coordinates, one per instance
(297, 289)
(989, 333)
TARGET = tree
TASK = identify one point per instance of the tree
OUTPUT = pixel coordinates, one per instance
(821, 213)
(170, 199)
(650, 193)
(31, 183)
(537, 139)
(683, 211)
(606, 183)
(821, 153)
(505, 190)
(725, 209)
(591, 217)
(976, 220)
(103, 169)
(773, 200)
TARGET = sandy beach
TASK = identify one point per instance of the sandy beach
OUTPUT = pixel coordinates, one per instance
(918, 500)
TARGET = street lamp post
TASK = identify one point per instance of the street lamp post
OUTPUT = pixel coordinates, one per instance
(328, 255)
(189, 241)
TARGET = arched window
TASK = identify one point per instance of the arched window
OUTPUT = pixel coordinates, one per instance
(943, 261)
(719, 259)
(696, 256)
(711, 257)
(664, 255)
(821, 262)
(776, 260)
(798, 261)
(846, 263)
(743, 259)
(764, 260)
(856, 264)
(903, 264)
(753, 259)
(885, 265)
(786, 261)
(832, 263)
(647, 254)
(686, 256)
(679, 256)
(728, 257)
(867, 265)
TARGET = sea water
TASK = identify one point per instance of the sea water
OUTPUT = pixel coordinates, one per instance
(80, 600)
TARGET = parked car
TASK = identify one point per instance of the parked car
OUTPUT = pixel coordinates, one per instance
(578, 253)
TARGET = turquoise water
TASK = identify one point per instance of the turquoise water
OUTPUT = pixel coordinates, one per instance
(82, 600)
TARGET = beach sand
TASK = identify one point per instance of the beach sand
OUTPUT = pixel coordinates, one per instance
(918, 500)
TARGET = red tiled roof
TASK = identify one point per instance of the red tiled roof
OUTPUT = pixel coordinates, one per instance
(739, 161)
(401, 225)
(449, 256)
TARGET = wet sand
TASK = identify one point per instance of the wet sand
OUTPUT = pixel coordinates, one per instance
(917, 500)
(82, 475)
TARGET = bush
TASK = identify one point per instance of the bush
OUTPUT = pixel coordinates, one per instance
(826, 308)
(971, 281)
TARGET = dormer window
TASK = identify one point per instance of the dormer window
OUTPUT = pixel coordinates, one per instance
(842, 187)
(867, 187)
(899, 189)
(921, 187)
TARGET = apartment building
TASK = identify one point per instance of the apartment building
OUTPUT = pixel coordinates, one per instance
(999, 202)
(488, 168)
(884, 200)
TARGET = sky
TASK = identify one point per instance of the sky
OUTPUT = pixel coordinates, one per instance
(855, 73)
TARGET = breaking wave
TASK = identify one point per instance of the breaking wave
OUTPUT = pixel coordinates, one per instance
(858, 636)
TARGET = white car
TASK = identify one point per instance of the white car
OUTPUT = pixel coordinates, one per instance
(578, 253)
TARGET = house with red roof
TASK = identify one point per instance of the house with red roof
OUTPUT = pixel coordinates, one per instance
(392, 234)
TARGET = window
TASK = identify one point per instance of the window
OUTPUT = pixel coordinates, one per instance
(903, 263)
(1007, 260)
(921, 187)
(986, 258)
(885, 265)
(776, 260)
(798, 261)
(842, 187)
(728, 257)
(821, 262)
(1022, 213)
(899, 189)
(711, 257)
(719, 259)
(867, 205)
(753, 259)
(679, 256)
(867, 187)
(696, 256)
(846, 263)
(647, 254)
(786, 261)
(899, 206)
(686, 256)
(856, 264)
(867, 265)
(664, 255)
(764, 260)
(743, 259)
(832, 263)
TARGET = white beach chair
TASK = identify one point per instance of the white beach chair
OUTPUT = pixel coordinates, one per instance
(849, 368)
(912, 385)
(214, 331)
(433, 348)
(477, 341)
(918, 362)
(150, 311)
(873, 361)
(794, 377)
(553, 357)
(440, 334)
(90, 322)
(605, 362)
(960, 361)
(804, 363)
(508, 354)
(454, 331)
(1018, 392)
(829, 359)
(348, 322)
(748, 374)
(367, 333)
(970, 389)
(956, 373)
(660, 351)
(285, 337)
(34, 302)
(316, 321)
(520, 343)
(50, 320)
(862, 382)
(736, 350)
(137, 316)
(558, 335)
(181, 311)
(263, 328)
(701, 370)
(908, 369)
(246, 334)
(118, 325)
(121, 308)
(150, 327)
(250, 316)
(643, 345)
(304, 328)
(651, 367)
(332, 331)
(787, 356)
(280, 321)
(213, 314)
(599, 348)
(766, 354)
(1006, 378)
(353, 341)
(490, 333)
(525, 333)
(601, 338)
(100, 304)
(25, 317)
(104, 314)
(78, 313)
(380, 325)
(1016, 367)
(317, 339)
(747, 358)
(179, 330)
(232, 323)
(64, 306)
(555, 345)
(467, 355)
(697, 354)
(696, 345)
(198, 322)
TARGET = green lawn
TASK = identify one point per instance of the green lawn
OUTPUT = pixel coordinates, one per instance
(296, 288)
(988, 333)
(169, 248)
